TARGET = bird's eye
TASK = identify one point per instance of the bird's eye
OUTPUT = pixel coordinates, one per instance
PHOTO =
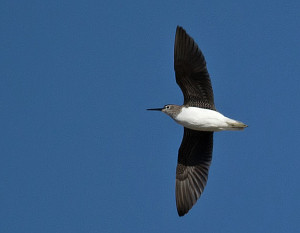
(167, 106)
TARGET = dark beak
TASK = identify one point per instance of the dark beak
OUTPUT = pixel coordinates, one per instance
(155, 109)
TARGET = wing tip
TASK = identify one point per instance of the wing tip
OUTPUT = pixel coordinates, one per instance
(181, 213)
(179, 28)
(180, 31)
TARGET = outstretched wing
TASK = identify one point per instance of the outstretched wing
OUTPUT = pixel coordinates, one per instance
(194, 158)
(191, 72)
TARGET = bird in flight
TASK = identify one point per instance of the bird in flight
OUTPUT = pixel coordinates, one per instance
(198, 116)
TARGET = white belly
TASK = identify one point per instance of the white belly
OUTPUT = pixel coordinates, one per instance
(205, 120)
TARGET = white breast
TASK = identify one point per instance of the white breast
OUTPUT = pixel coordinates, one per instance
(202, 119)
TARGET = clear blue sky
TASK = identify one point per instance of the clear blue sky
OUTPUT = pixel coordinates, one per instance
(79, 152)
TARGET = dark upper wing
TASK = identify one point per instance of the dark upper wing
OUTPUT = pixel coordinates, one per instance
(194, 158)
(191, 72)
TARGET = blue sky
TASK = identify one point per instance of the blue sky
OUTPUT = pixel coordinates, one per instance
(79, 152)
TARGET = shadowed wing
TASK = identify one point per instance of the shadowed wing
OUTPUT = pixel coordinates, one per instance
(191, 72)
(194, 158)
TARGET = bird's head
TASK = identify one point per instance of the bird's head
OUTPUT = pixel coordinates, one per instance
(170, 109)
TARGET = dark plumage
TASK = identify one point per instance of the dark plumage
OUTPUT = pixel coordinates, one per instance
(191, 72)
(195, 152)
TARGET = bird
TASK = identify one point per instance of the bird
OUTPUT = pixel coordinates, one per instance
(198, 116)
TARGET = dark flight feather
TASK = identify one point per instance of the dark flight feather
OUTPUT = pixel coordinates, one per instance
(191, 72)
(194, 158)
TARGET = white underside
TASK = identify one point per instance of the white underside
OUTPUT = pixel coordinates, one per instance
(206, 120)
